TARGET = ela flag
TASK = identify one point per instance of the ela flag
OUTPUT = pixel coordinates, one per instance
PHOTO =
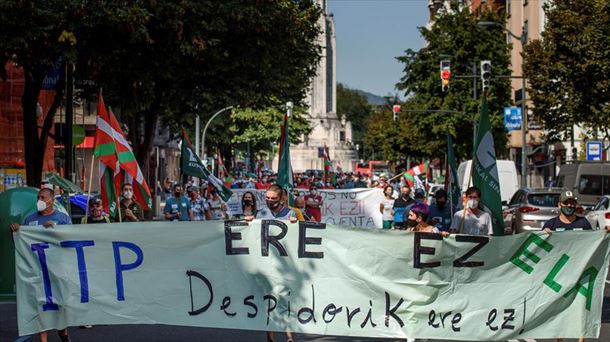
(284, 173)
(105, 151)
(485, 173)
(191, 165)
(451, 181)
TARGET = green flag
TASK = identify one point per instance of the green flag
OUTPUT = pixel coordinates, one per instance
(284, 173)
(191, 165)
(451, 178)
(485, 172)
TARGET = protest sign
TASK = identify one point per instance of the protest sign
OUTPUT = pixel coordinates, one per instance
(312, 278)
(349, 207)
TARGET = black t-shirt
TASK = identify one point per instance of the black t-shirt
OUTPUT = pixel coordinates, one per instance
(555, 224)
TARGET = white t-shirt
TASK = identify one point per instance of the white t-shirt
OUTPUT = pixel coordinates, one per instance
(387, 209)
(216, 209)
(473, 224)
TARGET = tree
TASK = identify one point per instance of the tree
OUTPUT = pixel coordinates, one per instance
(160, 60)
(356, 109)
(455, 33)
(568, 68)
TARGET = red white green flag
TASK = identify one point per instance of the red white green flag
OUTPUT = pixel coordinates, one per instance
(128, 163)
(105, 151)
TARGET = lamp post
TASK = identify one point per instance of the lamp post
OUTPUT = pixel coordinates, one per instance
(523, 40)
(206, 128)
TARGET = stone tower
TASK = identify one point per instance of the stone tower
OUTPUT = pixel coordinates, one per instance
(328, 127)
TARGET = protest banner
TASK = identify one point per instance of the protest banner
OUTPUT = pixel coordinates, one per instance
(312, 278)
(348, 207)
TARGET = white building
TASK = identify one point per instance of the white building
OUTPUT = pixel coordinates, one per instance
(327, 126)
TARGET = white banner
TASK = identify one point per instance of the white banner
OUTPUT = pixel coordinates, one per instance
(349, 207)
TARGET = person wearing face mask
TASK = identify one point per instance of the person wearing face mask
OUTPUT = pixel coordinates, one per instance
(417, 220)
(248, 207)
(177, 207)
(218, 208)
(567, 219)
(313, 201)
(47, 216)
(96, 213)
(275, 207)
(385, 207)
(199, 205)
(130, 210)
(440, 211)
(401, 206)
(472, 220)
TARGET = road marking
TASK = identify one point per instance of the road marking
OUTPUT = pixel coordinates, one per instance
(23, 338)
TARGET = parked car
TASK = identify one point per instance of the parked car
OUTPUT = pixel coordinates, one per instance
(599, 216)
(507, 172)
(529, 209)
(587, 180)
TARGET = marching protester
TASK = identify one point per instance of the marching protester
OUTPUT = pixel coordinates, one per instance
(417, 220)
(276, 208)
(96, 213)
(313, 201)
(177, 207)
(130, 210)
(218, 209)
(248, 207)
(401, 207)
(472, 220)
(199, 205)
(440, 211)
(419, 195)
(567, 219)
(286, 201)
(385, 207)
(46, 216)
(299, 204)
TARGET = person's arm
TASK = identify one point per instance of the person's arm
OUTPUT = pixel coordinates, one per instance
(381, 206)
(548, 227)
(14, 227)
(191, 218)
(167, 212)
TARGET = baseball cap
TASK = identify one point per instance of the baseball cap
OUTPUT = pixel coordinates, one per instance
(567, 195)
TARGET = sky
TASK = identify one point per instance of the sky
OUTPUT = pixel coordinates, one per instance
(370, 34)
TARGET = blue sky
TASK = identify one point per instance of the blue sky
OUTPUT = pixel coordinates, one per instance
(370, 33)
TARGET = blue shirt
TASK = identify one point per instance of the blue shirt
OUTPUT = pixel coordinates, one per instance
(37, 219)
(173, 206)
(442, 216)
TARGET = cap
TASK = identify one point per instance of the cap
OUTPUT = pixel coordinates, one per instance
(419, 191)
(567, 195)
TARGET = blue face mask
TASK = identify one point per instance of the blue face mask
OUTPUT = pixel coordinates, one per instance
(568, 211)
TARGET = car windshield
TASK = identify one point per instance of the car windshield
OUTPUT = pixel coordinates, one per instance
(543, 200)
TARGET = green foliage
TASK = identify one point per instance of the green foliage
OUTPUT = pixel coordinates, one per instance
(261, 127)
(165, 61)
(455, 34)
(356, 109)
(568, 68)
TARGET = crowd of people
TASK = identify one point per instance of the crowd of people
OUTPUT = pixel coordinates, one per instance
(400, 208)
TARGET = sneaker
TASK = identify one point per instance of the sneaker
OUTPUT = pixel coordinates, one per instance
(64, 337)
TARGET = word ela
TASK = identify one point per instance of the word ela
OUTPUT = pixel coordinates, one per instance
(79, 246)
(585, 284)
(251, 306)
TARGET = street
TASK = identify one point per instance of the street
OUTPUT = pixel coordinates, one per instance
(151, 333)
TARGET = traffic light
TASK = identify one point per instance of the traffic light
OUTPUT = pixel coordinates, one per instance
(445, 74)
(486, 75)
(395, 110)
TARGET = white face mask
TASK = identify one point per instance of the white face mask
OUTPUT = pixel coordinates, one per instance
(313, 192)
(127, 194)
(472, 203)
(41, 205)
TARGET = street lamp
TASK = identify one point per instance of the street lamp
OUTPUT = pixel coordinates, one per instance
(523, 40)
(206, 128)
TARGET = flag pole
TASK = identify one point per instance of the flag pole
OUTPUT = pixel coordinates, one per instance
(89, 190)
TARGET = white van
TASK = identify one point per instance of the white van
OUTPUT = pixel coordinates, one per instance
(507, 172)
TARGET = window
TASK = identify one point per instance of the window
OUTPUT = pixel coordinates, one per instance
(602, 204)
(342, 136)
(560, 181)
(516, 198)
(591, 184)
(543, 200)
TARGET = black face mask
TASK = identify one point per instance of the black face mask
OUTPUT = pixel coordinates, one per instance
(411, 223)
(404, 195)
(273, 204)
(177, 194)
(441, 204)
(248, 202)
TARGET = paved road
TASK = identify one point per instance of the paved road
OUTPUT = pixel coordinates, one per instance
(165, 333)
